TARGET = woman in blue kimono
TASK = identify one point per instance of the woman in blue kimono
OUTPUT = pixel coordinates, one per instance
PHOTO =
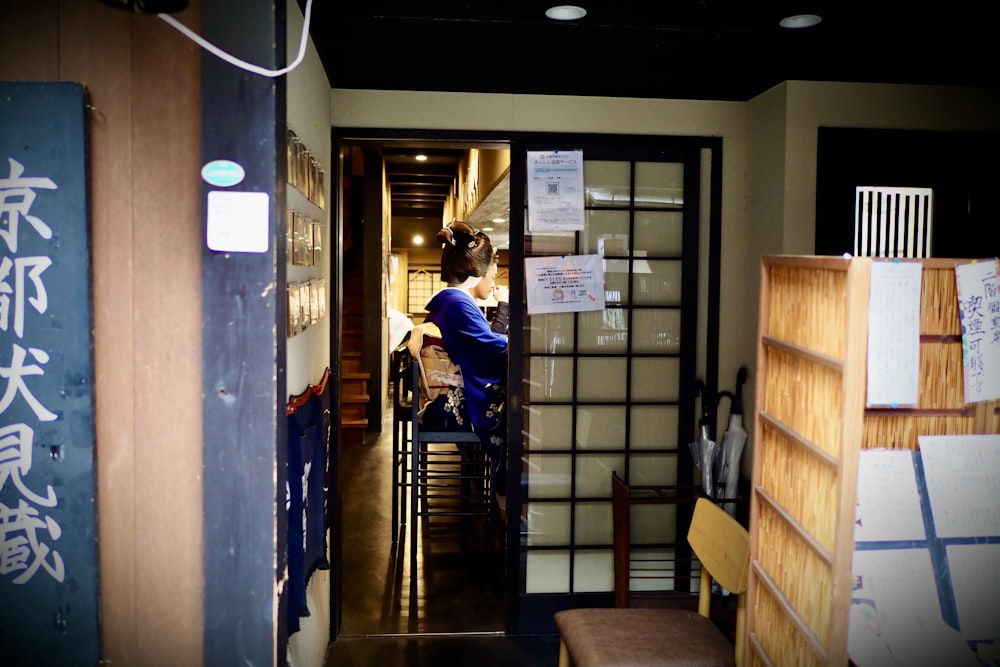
(479, 347)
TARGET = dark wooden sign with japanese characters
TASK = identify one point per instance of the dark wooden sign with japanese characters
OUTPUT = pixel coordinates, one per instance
(48, 513)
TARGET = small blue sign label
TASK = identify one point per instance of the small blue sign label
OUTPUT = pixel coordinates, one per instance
(222, 173)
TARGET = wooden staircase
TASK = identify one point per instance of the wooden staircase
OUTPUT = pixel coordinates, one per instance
(353, 378)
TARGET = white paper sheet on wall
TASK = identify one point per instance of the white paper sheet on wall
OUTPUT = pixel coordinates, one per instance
(962, 473)
(978, 286)
(894, 333)
(888, 506)
(894, 603)
(975, 578)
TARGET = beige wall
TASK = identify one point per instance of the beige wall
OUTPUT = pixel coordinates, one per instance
(308, 353)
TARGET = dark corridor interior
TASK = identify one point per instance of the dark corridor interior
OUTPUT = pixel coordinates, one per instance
(456, 616)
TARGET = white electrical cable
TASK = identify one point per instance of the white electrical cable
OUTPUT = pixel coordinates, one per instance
(242, 64)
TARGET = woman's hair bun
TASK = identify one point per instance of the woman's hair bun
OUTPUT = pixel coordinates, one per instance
(445, 235)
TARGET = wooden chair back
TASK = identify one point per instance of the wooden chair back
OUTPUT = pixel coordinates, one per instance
(722, 546)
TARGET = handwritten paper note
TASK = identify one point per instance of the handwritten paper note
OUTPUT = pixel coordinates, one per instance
(963, 483)
(888, 503)
(894, 334)
(979, 309)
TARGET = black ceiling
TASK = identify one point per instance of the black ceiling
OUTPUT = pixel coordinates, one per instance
(681, 49)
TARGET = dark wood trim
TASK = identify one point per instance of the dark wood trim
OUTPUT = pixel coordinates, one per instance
(244, 384)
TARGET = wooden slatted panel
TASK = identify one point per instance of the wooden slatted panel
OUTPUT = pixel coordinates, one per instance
(810, 426)
(805, 462)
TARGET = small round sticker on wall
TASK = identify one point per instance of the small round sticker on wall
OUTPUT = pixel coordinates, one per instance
(222, 173)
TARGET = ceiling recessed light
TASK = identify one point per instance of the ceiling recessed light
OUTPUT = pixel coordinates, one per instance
(565, 12)
(498, 220)
(487, 229)
(420, 158)
(418, 239)
(800, 21)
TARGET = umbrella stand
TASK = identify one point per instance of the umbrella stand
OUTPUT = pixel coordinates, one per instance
(731, 451)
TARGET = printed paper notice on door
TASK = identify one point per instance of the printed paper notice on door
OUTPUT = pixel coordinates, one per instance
(555, 191)
(894, 334)
(979, 310)
(564, 284)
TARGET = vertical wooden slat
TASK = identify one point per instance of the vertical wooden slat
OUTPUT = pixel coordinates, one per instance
(96, 44)
(167, 240)
(855, 365)
(29, 41)
(760, 386)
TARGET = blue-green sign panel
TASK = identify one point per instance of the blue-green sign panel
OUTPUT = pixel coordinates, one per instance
(48, 514)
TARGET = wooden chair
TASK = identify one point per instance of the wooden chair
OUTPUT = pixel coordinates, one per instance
(650, 637)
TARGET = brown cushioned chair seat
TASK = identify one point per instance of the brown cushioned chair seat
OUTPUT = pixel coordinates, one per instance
(642, 638)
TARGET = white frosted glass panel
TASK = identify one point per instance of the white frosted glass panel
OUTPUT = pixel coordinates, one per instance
(654, 523)
(549, 243)
(601, 379)
(549, 379)
(655, 379)
(548, 476)
(659, 183)
(656, 331)
(652, 570)
(594, 523)
(660, 287)
(606, 183)
(653, 469)
(604, 331)
(551, 333)
(593, 474)
(593, 571)
(616, 281)
(547, 572)
(606, 233)
(548, 427)
(659, 232)
(548, 524)
(654, 427)
(600, 427)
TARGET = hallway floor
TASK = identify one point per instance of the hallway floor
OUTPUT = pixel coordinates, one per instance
(456, 614)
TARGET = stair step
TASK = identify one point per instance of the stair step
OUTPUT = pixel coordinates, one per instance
(353, 413)
(354, 398)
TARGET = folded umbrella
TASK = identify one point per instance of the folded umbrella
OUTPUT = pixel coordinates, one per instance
(731, 451)
(704, 449)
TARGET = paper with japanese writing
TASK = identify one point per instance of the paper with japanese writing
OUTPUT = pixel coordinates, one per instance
(888, 504)
(962, 474)
(555, 191)
(979, 311)
(565, 283)
(894, 334)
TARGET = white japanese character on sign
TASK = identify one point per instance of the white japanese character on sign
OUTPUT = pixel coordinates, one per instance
(39, 301)
(15, 462)
(17, 194)
(22, 552)
(14, 375)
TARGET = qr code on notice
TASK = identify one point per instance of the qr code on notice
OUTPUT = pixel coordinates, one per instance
(552, 187)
